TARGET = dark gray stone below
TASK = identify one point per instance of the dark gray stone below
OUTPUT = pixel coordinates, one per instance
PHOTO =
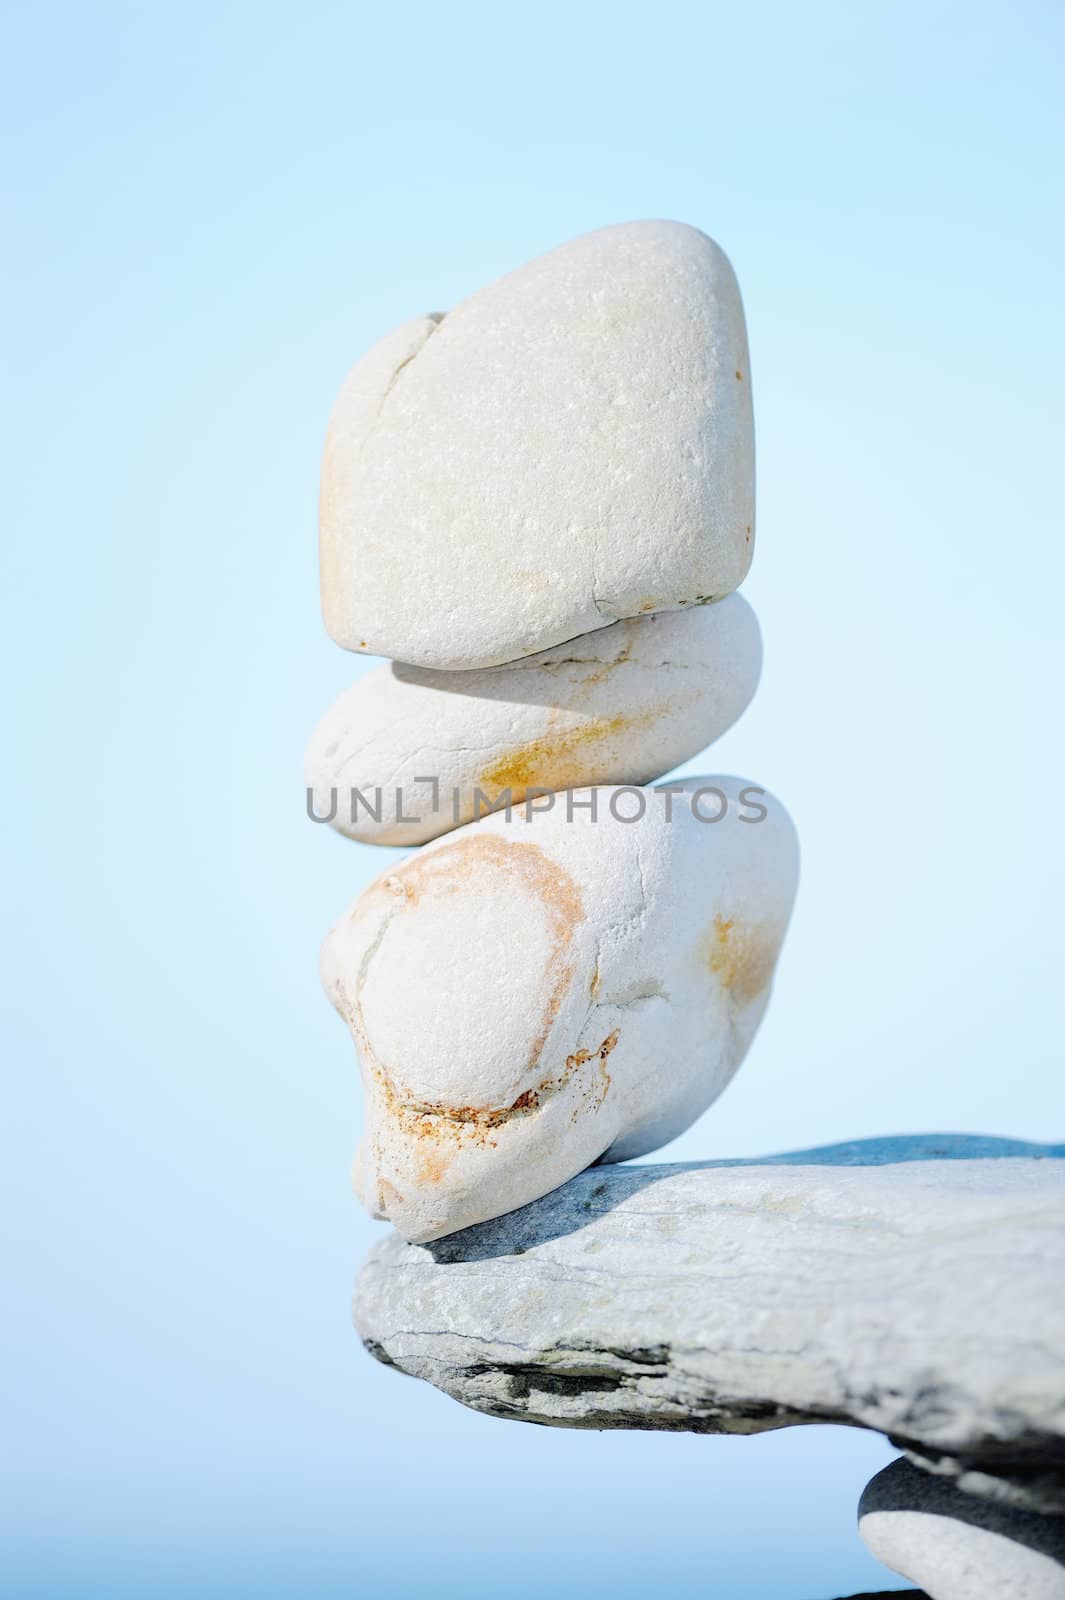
(961, 1546)
(888, 1594)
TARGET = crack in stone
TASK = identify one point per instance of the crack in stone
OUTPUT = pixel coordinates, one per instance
(436, 318)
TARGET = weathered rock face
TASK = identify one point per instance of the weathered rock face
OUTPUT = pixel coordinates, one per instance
(530, 996)
(921, 1297)
(570, 446)
(960, 1546)
(407, 754)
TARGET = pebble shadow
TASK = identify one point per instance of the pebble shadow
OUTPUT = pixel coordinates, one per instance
(601, 1188)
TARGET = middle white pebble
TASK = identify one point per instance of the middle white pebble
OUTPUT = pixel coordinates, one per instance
(622, 705)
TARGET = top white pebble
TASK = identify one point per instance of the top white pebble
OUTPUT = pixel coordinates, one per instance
(570, 446)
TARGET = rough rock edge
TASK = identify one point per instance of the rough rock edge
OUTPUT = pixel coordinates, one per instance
(565, 1385)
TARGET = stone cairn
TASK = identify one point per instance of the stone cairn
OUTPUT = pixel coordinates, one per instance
(540, 506)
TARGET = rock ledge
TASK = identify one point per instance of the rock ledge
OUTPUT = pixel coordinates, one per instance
(914, 1286)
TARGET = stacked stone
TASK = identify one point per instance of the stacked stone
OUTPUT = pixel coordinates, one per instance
(540, 506)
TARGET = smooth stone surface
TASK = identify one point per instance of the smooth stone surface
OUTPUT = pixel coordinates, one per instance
(528, 997)
(921, 1297)
(623, 705)
(571, 445)
(959, 1546)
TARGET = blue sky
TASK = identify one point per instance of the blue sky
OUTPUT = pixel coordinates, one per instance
(212, 212)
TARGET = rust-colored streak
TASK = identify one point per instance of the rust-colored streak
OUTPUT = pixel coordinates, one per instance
(437, 1129)
(567, 759)
(741, 955)
(599, 1090)
(442, 1130)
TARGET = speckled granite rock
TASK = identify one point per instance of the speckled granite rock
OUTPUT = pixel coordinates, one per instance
(912, 1286)
(960, 1546)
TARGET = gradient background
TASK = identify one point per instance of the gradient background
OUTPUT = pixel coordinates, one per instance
(213, 210)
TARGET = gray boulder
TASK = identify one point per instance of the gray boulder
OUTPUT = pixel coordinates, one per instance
(914, 1286)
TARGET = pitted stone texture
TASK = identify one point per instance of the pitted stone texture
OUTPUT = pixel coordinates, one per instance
(570, 446)
(920, 1297)
(530, 996)
(959, 1546)
(407, 754)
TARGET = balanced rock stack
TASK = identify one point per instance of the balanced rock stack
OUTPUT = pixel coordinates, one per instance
(540, 504)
